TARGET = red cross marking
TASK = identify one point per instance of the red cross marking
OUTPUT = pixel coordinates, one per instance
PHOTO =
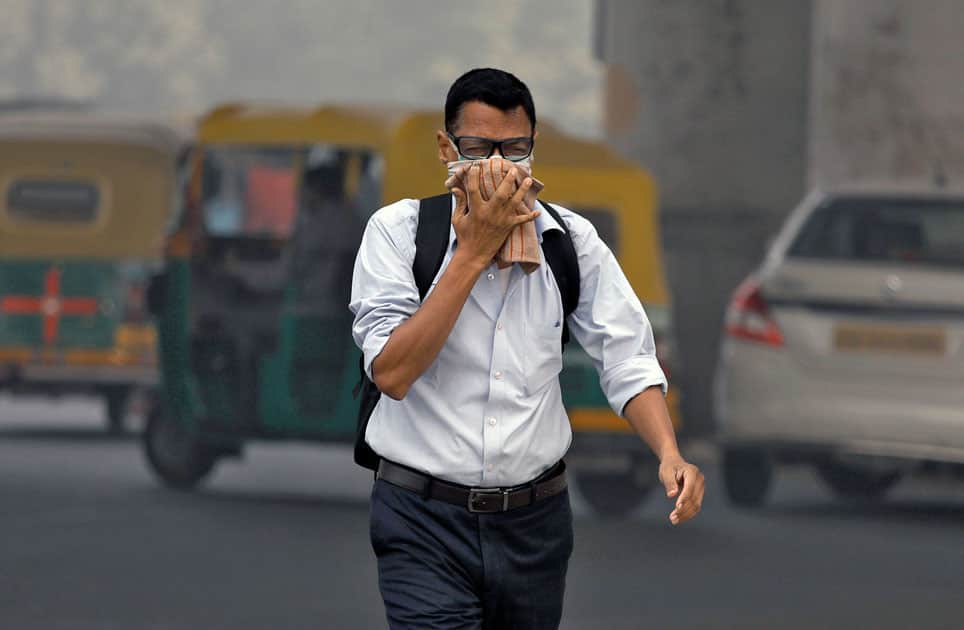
(50, 305)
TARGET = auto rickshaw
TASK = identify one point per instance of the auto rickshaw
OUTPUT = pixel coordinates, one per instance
(252, 308)
(84, 202)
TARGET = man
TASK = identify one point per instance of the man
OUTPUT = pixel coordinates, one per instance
(471, 397)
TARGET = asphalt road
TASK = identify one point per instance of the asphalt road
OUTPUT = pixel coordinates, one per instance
(89, 541)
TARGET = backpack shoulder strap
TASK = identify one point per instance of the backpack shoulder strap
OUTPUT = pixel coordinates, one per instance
(431, 239)
(561, 255)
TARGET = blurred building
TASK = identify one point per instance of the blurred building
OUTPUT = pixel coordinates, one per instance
(737, 106)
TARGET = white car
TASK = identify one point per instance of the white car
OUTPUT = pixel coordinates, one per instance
(845, 350)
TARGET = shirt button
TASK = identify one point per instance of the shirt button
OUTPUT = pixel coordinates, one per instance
(498, 376)
(499, 325)
(492, 422)
(491, 276)
(490, 468)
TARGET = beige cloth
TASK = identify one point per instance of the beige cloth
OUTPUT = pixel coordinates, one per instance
(522, 245)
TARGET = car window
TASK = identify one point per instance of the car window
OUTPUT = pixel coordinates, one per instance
(904, 231)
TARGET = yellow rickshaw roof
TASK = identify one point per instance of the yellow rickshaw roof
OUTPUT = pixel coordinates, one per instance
(282, 125)
(99, 128)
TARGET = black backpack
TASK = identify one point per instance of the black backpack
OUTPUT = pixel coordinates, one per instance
(431, 242)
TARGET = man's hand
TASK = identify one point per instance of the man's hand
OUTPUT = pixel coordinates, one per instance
(482, 226)
(648, 414)
(685, 481)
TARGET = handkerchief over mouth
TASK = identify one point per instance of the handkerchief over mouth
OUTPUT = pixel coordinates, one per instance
(522, 244)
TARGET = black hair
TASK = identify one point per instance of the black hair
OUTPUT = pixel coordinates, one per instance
(498, 88)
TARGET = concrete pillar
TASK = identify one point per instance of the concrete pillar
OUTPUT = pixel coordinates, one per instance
(711, 95)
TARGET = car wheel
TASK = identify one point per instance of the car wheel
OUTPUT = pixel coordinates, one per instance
(747, 474)
(850, 482)
(174, 453)
(614, 493)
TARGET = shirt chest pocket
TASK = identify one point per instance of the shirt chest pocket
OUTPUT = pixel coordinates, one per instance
(543, 355)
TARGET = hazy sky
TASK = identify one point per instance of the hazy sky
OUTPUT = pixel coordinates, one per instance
(185, 55)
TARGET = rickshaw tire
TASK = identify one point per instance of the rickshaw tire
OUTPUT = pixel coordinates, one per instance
(613, 494)
(192, 462)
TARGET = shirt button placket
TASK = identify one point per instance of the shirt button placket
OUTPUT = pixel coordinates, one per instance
(492, 436)
(492, 446)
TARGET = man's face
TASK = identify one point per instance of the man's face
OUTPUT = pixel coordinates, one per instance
(484, 121)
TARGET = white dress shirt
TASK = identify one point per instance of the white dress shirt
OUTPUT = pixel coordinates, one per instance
(488, 411)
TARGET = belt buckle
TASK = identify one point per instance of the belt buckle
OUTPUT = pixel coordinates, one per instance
(476, 495)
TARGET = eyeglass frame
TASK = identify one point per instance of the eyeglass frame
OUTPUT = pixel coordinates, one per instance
(496, 144)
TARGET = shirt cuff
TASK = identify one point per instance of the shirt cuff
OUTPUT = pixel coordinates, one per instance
(374, 344)
(630, 377)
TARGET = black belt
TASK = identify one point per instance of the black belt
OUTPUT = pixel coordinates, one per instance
(477, 500)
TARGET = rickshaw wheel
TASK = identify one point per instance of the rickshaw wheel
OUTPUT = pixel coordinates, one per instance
(174, 453)
(614, 493)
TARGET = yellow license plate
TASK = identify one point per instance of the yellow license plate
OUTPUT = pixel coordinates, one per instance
(899, 339)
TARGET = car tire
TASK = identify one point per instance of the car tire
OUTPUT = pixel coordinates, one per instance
(747, 475)
(851, 482)
(613, 494)
(174, 453)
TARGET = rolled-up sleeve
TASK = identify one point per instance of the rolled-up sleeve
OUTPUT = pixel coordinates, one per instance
(610, 322)
(383, 291)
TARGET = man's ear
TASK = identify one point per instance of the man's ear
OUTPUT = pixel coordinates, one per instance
(446, 153)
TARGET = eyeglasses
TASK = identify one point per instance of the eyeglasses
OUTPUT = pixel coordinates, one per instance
(476, 148)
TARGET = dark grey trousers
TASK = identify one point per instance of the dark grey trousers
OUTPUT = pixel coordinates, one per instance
(442, 567)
